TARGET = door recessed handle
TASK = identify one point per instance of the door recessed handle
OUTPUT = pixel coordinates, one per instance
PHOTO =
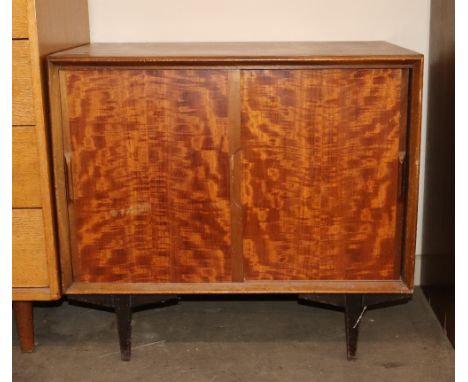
(401, 174)
(69, 177)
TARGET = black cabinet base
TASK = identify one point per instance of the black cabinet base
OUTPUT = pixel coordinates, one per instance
(354, 306)
(123, 305)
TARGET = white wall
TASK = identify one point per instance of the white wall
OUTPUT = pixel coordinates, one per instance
(403, 22)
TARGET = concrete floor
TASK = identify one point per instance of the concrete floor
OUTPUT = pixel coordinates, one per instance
(237, 340)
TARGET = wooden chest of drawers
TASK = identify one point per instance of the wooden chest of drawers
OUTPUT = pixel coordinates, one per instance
(237, 168)
(39, 28)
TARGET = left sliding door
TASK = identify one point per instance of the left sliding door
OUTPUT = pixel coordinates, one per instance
(147, 159)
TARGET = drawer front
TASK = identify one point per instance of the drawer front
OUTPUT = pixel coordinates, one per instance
(29, 257)
(23, 104)
(25, 177)
(20, 19)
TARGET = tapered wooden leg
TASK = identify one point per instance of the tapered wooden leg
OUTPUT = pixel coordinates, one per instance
(123, 312)
(354, 310)
(24, 324)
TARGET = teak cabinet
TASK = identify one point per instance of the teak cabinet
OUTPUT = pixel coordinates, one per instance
(237, 168)
(38, 28)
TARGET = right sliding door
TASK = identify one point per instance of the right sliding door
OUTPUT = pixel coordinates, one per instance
(322, 170)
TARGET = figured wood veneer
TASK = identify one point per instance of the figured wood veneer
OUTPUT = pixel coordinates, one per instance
(150, 175)
(151, 186)
(320, 173)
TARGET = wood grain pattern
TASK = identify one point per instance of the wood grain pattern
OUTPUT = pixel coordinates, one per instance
(19, 20)
(35, 294)
(24, 325)
(51, 25)
(264, 53)
(23, 103)
(150, 169)
(320, 164)
(29, 258)
(234, 135)
(412, 191)
(251, 287)
(26, 181)
(402, 180)
(61, 206)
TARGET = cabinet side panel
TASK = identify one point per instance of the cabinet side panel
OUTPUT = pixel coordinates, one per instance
(150, 175)
(320, 173)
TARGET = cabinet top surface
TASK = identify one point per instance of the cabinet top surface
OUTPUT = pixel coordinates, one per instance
(235, 52)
